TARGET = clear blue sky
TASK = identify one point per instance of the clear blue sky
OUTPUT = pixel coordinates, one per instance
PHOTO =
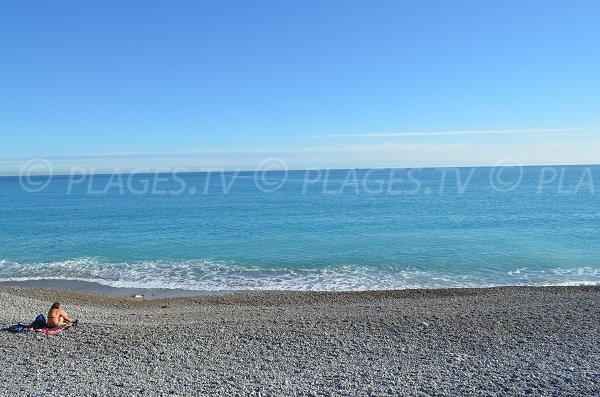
(317, 79)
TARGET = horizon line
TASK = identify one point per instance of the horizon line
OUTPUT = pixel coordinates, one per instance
(306, 169)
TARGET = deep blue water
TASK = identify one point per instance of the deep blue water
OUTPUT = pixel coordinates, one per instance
(320, 230)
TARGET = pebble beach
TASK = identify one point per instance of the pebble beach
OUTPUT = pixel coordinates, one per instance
(502, 341)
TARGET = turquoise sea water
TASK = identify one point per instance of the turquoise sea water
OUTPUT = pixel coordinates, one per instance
(306, 230)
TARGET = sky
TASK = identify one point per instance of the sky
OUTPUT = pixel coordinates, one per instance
(325, 84)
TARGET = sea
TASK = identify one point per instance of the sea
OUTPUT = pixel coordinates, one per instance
(319, 230)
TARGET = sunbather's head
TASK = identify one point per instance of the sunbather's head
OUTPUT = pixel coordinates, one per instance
(55, 305)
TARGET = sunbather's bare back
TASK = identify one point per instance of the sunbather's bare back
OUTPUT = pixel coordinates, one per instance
(57, 316)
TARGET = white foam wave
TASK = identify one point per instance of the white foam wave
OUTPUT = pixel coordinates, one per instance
(585, 275)
(222, 276)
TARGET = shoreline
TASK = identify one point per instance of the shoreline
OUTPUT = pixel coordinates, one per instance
(94, 288)
(101, 289)
(101, 295)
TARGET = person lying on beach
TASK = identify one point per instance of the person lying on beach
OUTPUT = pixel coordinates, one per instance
(57, 316)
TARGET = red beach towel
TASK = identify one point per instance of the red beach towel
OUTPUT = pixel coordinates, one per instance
(52, 331)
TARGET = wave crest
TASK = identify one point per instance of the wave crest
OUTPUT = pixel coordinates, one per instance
(207, 275)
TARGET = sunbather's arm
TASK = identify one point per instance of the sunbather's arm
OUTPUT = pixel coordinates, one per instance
(65, 316)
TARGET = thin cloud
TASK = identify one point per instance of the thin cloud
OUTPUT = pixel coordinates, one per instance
(452, 133)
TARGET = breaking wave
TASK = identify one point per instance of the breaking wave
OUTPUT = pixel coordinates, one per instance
(207, 275)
